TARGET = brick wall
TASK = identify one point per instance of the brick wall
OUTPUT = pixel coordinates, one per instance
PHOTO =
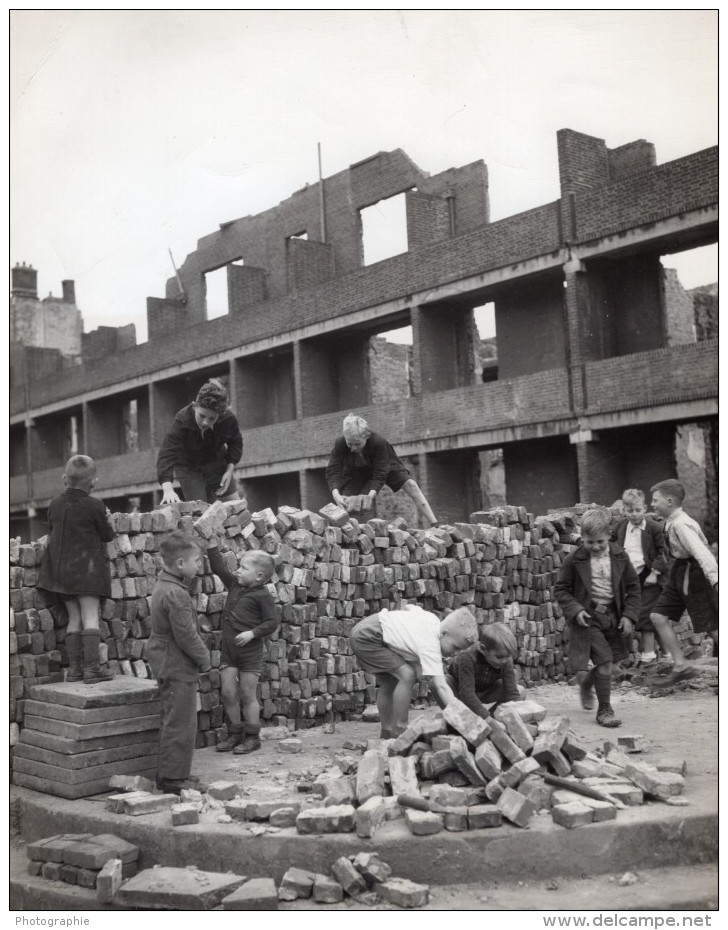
(469, 188)
(583, 161)
(705, 304)
(309, 263)
(428, 219)
(678, 308)
(390, 366)
(165, 318)
(246, 287)
(530, 326)
(631, 158)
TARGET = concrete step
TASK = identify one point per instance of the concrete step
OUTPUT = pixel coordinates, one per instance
(680, 888)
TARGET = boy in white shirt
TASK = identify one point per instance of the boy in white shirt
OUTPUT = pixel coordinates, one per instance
(400, 645)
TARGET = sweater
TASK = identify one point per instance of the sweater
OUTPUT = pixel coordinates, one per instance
(474, 675)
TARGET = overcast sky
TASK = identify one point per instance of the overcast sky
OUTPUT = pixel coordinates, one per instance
(133, 131)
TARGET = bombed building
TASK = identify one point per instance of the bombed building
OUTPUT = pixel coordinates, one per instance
(605, 374)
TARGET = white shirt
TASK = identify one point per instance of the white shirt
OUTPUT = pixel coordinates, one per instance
(633, 545)
(686, 540)
(601, 579)
(415, 633)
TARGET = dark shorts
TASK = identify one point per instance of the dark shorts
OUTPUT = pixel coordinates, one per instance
(396, 479)
(650, 594)
(200, 484)
(700, 602)
(247, 659)
(372, 654)
(606, 642)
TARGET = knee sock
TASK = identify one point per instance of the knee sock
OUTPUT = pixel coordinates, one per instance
(603, 688)
(588, 680)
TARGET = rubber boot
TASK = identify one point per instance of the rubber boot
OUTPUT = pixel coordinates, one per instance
(92, 671)
(74, 648)
(251, 741)
(235, 735)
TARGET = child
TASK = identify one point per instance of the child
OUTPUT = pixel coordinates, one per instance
(201, 449)
(692, 583)
(643, 540)
(177, 656)
(395, 644)
(361, 463)
(599, 592)
(248, 616)
(75, 568)
(484, 672)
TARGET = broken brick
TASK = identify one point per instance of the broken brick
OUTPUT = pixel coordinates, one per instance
(115, 802)
(403, 892)
(513, 776)
(370, 816)
(372, 867)
(262, 810)
(337, 819)
(348, 877)
(325, 889)
(537, 791)
(184, 814)
(661, 785)
(258, 894)
(284, 816)
(516, 807)
(423, 823)
(108, 881)
(296, 883)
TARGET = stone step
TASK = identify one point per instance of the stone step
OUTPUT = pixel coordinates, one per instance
(87, 715)
(84, 790)
(120, 690)
(68, 746)
(86, 760)
(68, 776)
(85, 731)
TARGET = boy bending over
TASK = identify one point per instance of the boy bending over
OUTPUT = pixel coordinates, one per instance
(484, 673)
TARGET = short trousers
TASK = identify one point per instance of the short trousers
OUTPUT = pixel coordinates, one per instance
(396, 479)
(700, 601)
(247, 659)
(650, 594)
(367, 644)
(200, 484)
(606, 642)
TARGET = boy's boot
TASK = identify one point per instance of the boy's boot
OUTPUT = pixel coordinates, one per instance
(235, 735)
(586, 690)
(251, 740)
(605, 715)
(74, 648)
(92, 671)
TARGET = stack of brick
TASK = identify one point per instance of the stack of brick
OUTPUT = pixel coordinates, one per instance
(457, 771)
(98, 862)
(76, 737)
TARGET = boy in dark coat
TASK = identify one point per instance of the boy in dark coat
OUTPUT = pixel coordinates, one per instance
(201, 449)
(642, 538)
(75, 568)
(599, 592)
(484, 673)
(361, 463)
(249, 615)
(177, 656)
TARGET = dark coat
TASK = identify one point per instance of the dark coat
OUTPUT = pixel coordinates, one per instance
(573, 593)
(361, 472)
(184, 444)
(175, 648)
(654, 547)
(75, 561)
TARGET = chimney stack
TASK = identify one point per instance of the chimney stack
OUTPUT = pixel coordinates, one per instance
(24, 281)
(69, 292)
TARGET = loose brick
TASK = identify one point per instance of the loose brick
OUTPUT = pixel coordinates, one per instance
(115, 802)
(284, 817)
(404, 893)
(433, 764)
(488, 760)
(257, 894)
(423, 823)
(296, 883)
(177, 889)
(370, 776)
(348, 877)
(292, 745)
(513, 776)
(634, 743)
(574, 814)
(370, 816)
(455, 819)
(108, 881)
(482, 816)
(337, 819)
(516, 728)
(661, 785)
(403, 775)
(185, 813)
(495, 788)
(447, 796)
(223, 790)
(678, 766)
(504, 744)
(131, 783)
(528, 711)
(149, 804)
(372, 867)
(261, 810)
(326, 890)
(515, 807)
(469, 725)
(537, 791)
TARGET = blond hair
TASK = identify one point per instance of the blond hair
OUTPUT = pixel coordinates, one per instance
(263, 561)
(462, 624)
(633, 496)
(356, 428)
(80, 469)
(596, 520)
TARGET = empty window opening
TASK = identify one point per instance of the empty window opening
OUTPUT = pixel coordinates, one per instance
(695, 267)
(73, 436)
(690, 294)
(301, 235)
(390, 365)
(384, 229)
(216, 292)
(486, 348)
(131, 426)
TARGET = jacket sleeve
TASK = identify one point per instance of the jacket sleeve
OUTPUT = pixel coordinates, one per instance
(183, 626)
(233, 440)
(510, 685)
(632, 593)
(564, 590)
(219, 568)
(171, 452)
(268, 619)
(335, 468)
(380, 464)
(661, 561)
(465, 688)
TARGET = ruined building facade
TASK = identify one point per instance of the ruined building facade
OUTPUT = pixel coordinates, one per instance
(601, 380)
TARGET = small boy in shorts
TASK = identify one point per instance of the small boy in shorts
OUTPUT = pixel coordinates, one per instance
(692, 583)
(484, 674)
(643, 539)
(177, 656)
(398, 645)
(599, 592)
(249, 616)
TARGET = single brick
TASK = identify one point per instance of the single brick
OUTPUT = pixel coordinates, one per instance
(338, 819)
(296, 883)
(291, 745)
(465, 762)
(370, 776)
(495, 788)
(574, 814)
(115, 802)
(403, 892)
(403, 775)
(69, 874)
(34, 867)
(86, 878)
(327, 890)
(515, 807)
(513, 776)
(223, 790)
(237, 809)
(258, 894)
(468, 724)
(488, 760)
(678, 766)
(423, 823)
(503, 743)
(537, 791)
(131, 783)
(629, 743)
(284, 816)
(516, 728)
(51, 871)
(481, 816)
(261, 810)
(455, 819)
(448, 796)
(370, 816)
(348, 877)
(528, 711)
(108, 881)
(661, 785)
(371, 867)
(433, 764)
(185, 813)
(149, 804)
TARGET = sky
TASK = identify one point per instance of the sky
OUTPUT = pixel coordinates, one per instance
(137, 132)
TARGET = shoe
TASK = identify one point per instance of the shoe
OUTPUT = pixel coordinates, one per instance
(97, 673)
(74, 673)
(249, 743)
(647, 660)
(607, 718)
(92, 669)
(587, 694)
(676, 676)
(175, 785)
(235, 736)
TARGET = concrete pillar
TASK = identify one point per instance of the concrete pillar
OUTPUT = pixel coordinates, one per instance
(576, 301)
(297, 380)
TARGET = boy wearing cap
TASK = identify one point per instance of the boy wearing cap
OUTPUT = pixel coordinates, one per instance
(201, 449)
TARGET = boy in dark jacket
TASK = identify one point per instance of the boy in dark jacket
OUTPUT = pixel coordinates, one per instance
(484, 673)
(249, 615)
(599, 592)
(201, 449)
(177, 656)
(642, 538)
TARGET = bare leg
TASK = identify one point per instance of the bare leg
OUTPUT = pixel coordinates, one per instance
(402, 696)
(385, 691)
(73, 608)
(669, 640)
(89, 612)
(413, 490)
(249, 697)
(230, 694)
(648, 642)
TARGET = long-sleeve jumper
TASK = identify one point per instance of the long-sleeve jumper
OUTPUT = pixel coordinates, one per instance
(246, 609)
(361, 472)
(186, 447)
(474, 680)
